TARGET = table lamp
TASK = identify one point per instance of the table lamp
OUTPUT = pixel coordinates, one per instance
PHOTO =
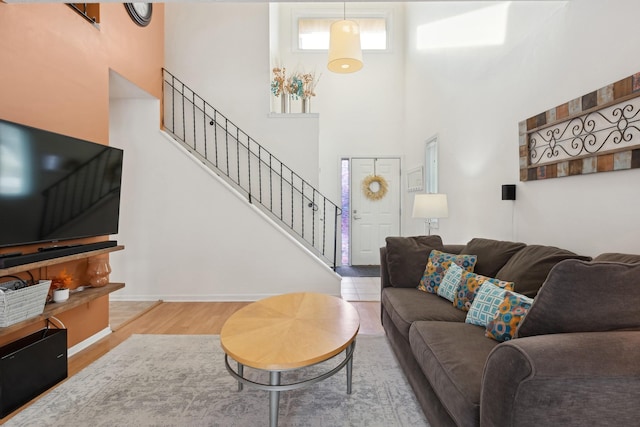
(430, 206)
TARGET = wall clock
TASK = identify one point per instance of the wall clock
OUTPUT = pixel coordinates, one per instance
(140, 12)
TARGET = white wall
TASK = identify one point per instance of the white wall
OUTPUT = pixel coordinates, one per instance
(187, 236)
(474, 97)
(361, 114)
(221, 51)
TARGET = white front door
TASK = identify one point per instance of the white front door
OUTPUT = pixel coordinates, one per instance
(373, 220)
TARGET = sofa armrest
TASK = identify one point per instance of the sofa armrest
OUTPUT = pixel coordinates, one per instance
(576, 379)
(384, 270)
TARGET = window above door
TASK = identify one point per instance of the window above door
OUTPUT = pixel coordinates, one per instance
(313, 32)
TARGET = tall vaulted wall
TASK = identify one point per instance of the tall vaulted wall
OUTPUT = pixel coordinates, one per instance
(473, 95)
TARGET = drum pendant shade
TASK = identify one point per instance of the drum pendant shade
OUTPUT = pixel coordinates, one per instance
(345, 54)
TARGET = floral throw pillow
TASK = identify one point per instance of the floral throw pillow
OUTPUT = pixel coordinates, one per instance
(438, 265)
(510, 313)
(470, 284)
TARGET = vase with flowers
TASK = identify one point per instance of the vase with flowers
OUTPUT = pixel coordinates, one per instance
(309, 83)
(295, 87)
(60, 286)
(279, 88)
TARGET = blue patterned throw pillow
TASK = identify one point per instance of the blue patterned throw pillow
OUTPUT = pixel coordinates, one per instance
(450, 282)
(485, 304)
(470, 284)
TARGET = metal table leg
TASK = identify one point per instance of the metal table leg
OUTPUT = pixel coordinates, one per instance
(350, 365)
(275, 386)
(241, 373)
(274, 398)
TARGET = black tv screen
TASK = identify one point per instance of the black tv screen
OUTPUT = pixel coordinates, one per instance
(55, 187)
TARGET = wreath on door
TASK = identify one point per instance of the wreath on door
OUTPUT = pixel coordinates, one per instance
(374, 187)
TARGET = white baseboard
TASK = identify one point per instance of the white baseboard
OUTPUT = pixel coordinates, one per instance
(89, 341)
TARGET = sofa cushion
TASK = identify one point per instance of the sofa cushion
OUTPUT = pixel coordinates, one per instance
(510, 313)
(438, 265)
(470, 284)
(492, 254)
(405, 306)
(530, 266)
(407, 257)
(617, 257)
(452, 357)
(585, 297)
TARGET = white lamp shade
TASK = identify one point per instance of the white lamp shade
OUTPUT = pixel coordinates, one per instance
(430, 206)
(345, 54)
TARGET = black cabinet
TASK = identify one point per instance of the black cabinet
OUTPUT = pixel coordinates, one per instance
(30, 366)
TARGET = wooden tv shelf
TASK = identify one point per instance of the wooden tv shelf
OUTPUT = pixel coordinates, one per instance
(58, 260)
(76, 298)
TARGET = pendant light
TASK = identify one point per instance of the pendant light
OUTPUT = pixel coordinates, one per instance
(345, 53)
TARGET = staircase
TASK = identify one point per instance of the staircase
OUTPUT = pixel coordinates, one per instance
(252, 170)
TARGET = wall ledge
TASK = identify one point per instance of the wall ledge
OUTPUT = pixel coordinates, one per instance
(293, 115)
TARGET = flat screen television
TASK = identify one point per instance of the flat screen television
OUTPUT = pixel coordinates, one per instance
(54, 187)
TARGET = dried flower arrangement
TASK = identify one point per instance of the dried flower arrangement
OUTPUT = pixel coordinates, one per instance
(297, 85)
(309, 82)
(277, 84)
(62, 280)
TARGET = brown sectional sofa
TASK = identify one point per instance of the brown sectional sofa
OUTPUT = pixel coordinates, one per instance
(575, 361)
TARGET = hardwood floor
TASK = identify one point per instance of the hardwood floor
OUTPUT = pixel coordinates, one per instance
(191, 318)
(369, 312)
(123, 312)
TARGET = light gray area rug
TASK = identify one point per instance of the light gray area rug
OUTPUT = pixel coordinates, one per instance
(180, 380)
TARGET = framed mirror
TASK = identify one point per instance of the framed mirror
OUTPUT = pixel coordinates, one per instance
(415, 180)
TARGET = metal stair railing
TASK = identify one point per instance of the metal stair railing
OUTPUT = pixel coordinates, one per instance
(267, 183)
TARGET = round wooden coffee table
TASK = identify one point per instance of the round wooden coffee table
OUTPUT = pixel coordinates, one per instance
(288, 332)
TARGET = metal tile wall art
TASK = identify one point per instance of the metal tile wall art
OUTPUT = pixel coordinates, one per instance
(597, 132)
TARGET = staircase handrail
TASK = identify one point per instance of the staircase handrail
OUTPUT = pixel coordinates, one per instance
(215, 118)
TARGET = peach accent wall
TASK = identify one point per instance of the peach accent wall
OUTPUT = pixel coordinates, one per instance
(55, 65)
(82, 322)
(54, 75)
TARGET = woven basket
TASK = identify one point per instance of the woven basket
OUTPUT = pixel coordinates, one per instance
(16, 306)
